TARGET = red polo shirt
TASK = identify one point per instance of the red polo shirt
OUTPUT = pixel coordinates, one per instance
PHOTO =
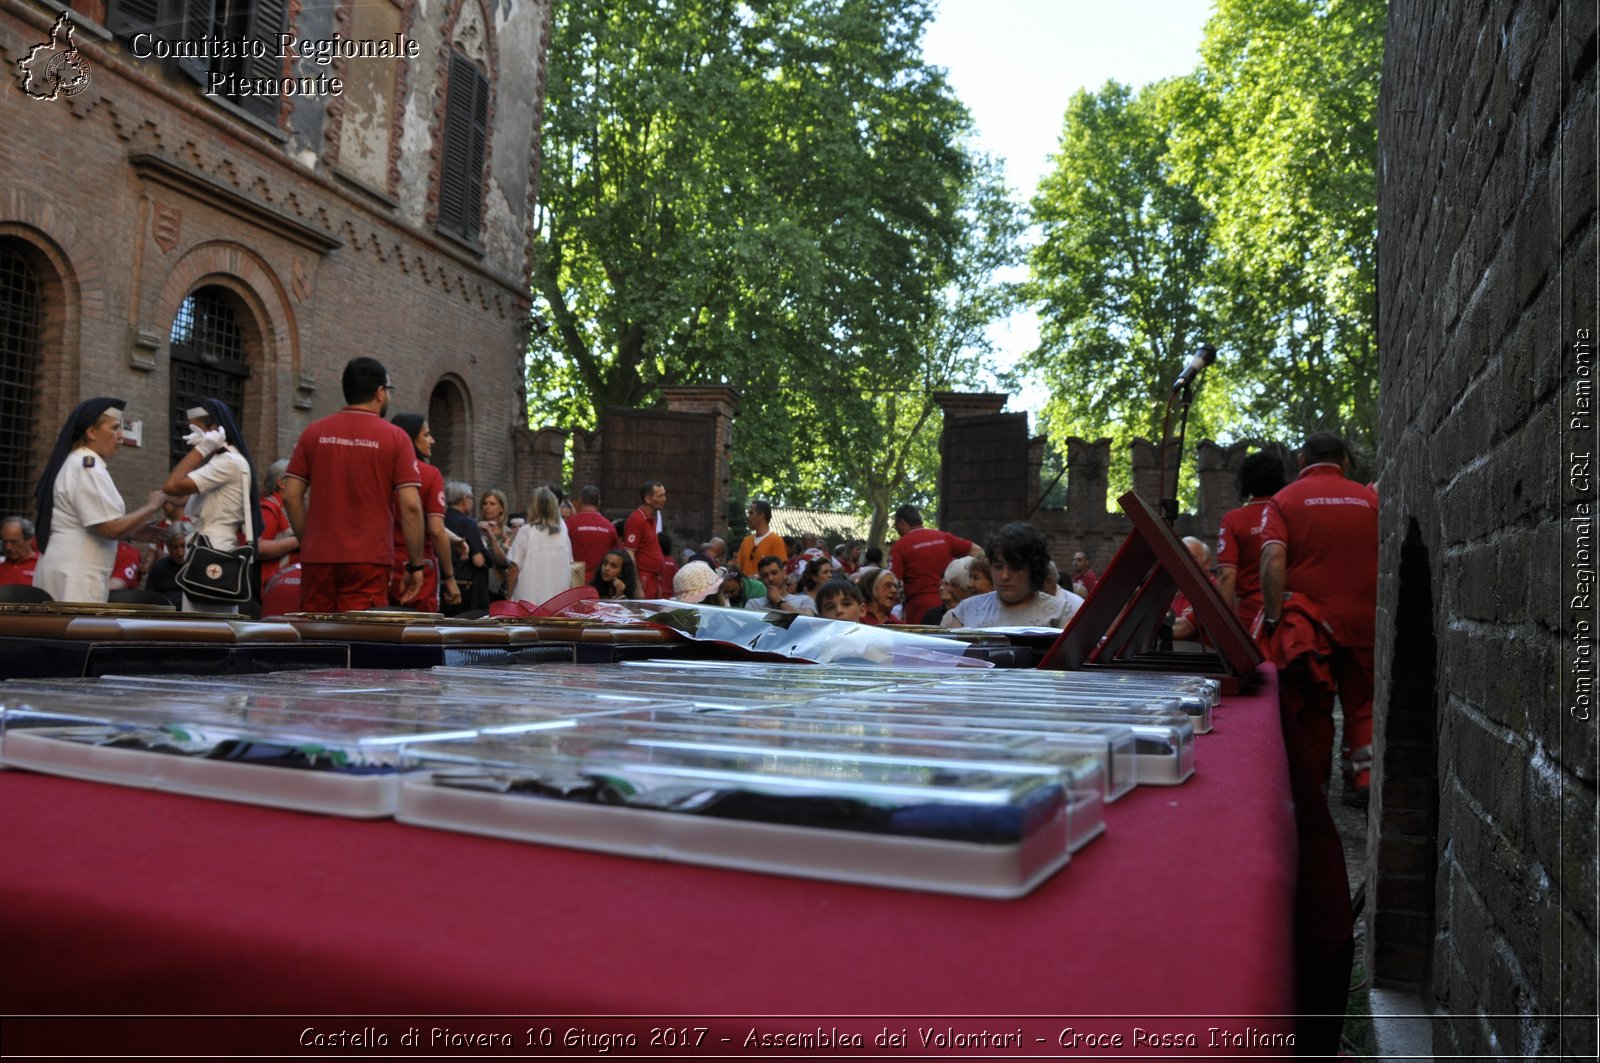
(1328, 524)
(18, 571)
(1239, 548)
(919, 558)
(639, 535)
(592, 537)
(354, 462)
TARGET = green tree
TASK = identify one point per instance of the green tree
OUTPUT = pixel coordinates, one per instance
(1279, 142)
(772, 194)
(1118, 272)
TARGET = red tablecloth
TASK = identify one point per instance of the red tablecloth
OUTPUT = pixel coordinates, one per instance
(125, 901)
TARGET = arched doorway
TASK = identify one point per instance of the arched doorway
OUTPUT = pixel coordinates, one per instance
(209, 357)
(21, 314)
(447, 419)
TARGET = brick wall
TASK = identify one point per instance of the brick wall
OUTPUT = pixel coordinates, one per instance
(139, 190)
(1085, 523)
(1482, 849)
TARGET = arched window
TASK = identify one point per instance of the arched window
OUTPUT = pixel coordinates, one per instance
(447, 419)
(208, 357)
(20, 313)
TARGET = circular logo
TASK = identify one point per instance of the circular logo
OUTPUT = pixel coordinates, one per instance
(213, 571)
(68, 72)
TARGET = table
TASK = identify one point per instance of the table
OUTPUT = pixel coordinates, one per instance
(133, 902)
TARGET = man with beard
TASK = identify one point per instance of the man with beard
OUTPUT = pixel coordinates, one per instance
(356, 463)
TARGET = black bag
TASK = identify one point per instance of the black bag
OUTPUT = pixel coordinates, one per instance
(216, 575)
(220, 575)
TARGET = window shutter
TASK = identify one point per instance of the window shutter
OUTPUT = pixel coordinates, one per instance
(267, 21)
(125, 18)
(199, 23)
(466, 114)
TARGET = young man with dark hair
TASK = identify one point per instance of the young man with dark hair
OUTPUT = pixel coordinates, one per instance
(919, 557)
(1319, 544)
(1018, 561)
(762, 540)
(778, 597)
(365, 472)
(639, 536)
(1239, 538)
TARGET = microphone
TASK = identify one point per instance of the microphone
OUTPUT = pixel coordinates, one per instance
(1202, 358)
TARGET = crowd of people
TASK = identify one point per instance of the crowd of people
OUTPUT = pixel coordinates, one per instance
(359, 518)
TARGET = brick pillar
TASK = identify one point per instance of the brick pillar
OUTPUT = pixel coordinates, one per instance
(957, 404)
(1087, 464)
(721, 403)
(587, 447)
(1147, 471)
(1219, 487)
(537, 457)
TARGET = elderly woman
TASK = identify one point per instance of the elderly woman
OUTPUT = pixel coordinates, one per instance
(81, 513)
(881, 588)
(217, 478)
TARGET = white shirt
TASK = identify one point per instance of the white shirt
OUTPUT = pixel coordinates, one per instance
(76, 566)
(217, 509)
(800, 603)
(987, 610)
(543, 560)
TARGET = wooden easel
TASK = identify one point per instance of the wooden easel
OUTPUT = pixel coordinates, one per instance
(1119, 621)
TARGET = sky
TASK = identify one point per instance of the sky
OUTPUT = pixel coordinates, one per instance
(1015, 63)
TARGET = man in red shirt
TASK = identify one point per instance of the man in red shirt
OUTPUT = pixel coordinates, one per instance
(591, 534)
(16, 534)
(1082, 575)
(639, 537)
(1239, 538)
(1319, 542)
(919, 558)
(357, 465)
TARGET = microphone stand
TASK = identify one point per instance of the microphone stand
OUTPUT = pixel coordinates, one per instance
(1169, 506)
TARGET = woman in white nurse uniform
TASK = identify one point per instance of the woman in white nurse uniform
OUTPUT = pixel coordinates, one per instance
(81, 512)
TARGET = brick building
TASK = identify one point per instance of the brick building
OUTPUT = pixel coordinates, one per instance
(207, 214)
(1482, 890)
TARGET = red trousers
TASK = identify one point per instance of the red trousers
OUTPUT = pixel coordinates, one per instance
(339, 588)
(1306, 692)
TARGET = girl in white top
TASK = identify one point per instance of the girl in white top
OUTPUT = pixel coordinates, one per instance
(217, 478)
(541, 555)
(81, 512)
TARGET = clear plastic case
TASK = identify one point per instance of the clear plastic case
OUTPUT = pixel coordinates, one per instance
(308, 753)
(985, 828)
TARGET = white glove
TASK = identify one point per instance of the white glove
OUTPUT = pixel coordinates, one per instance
(208, 442)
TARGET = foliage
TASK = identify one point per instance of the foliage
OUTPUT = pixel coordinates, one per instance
(1119, 272)
(1281, 146)
(1235, 206)
(773, 194)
